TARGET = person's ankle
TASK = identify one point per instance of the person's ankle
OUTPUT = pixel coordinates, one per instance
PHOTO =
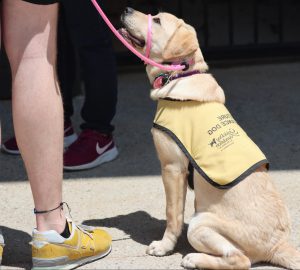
(55, 220)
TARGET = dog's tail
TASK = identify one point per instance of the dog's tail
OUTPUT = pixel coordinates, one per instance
(287, 256)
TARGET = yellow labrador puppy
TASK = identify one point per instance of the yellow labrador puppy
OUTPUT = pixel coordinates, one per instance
(240, 218)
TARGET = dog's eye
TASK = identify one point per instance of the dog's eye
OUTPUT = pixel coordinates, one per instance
(157, 20)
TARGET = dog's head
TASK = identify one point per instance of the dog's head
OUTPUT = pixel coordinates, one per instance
(172, 41)
(172, 38)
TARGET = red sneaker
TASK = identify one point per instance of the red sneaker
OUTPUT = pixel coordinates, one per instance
(11, 146)
(90, 150)
(69, 134)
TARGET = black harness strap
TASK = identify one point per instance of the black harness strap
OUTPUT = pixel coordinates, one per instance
(191, 175)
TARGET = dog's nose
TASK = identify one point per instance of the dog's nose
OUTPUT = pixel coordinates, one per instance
(128, 10)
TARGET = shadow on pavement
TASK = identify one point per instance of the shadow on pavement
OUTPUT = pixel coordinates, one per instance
(17, 251)
(142, 228)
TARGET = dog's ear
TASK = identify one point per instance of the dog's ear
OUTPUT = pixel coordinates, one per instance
(183, 42)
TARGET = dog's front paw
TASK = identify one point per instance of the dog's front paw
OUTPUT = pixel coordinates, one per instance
(189, 261)
(159, 248)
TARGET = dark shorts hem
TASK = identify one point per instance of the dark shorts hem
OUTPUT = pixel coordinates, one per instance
(42, 2)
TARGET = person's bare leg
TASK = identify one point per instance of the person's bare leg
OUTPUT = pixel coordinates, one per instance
(0, 71)
(30, 40)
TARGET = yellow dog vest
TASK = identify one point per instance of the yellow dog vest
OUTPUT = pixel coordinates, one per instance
(216, 146)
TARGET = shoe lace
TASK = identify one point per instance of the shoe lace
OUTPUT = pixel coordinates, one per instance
(83, 229)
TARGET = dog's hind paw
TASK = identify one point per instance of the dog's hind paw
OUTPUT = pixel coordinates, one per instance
(189, 261)
(159, 248)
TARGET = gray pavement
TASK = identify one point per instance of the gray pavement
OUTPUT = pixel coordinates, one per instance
(126, 196)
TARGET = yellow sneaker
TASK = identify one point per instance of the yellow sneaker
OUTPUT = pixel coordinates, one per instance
(1, 247)
(52, 251)
(1, 253)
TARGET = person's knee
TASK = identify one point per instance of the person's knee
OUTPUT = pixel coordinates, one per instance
(29, 31)
(36, 50)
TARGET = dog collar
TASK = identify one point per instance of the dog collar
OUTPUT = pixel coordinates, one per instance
(164, 78)
(186, 63)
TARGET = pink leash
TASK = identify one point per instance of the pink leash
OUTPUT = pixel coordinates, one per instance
(145, 57)
(149, 37)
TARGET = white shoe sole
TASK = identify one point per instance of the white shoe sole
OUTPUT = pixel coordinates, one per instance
(106, 157)
(12, 152)
(74, 264)
(68, 140)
